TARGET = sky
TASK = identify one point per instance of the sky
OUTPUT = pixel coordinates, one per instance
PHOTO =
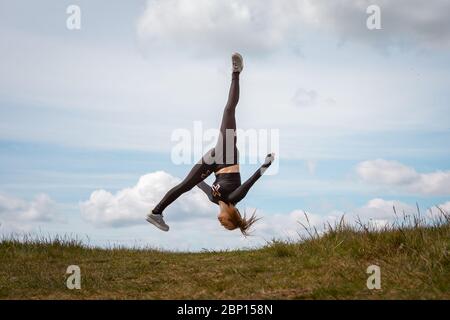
(88, 115)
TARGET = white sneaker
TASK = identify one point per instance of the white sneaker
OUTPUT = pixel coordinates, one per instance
(158, 221)
(237, 62)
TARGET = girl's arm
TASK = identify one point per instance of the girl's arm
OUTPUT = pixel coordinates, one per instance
(239, 194)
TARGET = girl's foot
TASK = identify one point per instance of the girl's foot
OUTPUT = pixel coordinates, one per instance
(158, 221)
(237, 62)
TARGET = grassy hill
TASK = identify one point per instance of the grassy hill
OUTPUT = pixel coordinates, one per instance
(413, 257)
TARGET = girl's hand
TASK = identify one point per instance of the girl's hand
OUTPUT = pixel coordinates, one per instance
(269, 159)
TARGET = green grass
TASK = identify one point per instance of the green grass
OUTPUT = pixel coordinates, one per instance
(413, 257)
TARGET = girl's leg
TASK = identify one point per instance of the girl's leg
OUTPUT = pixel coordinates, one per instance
(198, 173)
(228, 118)
(226, 152)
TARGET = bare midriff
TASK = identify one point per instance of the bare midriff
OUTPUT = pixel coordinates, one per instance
(230, 169)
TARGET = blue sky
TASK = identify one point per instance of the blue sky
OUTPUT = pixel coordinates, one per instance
(86, 116)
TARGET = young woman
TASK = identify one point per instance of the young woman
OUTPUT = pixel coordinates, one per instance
(222, 160)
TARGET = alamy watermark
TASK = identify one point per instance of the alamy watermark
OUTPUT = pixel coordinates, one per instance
(74, 279)
(253, 145)
(73, 21)
(373, 21)
(374, 280)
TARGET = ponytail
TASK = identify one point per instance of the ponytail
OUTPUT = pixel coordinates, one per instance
(244, 224)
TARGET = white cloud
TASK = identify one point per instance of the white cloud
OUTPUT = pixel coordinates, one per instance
(376, 212)
(386, 172)
(382, 210)
(17, 214)
(130, 205)
(263, 26)
(282, 226)
(41, 208)
(404, 22)
(392, 174)
(445, 206)
(205, 25)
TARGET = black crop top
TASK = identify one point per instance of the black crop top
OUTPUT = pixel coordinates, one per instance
(228, 188)
(224, 185)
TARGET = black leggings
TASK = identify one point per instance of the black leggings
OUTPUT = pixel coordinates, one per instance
(222, 155)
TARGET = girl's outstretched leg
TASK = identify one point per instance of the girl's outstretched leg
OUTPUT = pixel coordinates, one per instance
(198, 173)
(226, 152)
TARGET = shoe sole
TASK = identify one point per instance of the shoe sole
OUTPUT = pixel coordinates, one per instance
(153, 222)
(240, 59)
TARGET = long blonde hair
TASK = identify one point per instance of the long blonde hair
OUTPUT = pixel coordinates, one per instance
(231, 218)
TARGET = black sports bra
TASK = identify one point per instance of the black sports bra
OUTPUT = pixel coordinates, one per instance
(224, 185)
(228, 188)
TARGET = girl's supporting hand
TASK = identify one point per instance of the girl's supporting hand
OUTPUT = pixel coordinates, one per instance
(269, 159)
